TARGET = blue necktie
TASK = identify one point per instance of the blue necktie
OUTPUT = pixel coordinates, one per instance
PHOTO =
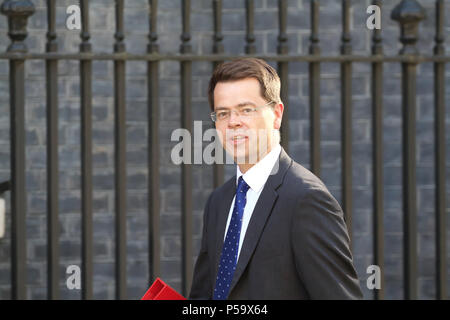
(228, 258)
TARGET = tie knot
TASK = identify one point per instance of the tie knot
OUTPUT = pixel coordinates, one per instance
(242, 185)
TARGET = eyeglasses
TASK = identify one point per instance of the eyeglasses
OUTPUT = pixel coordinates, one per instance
(245, 112)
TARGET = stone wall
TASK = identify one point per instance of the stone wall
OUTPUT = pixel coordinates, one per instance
(169, 30)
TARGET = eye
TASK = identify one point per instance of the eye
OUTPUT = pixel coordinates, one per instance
(247, 110)
(222, 114)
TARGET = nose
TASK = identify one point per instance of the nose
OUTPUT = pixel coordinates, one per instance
(234, 120)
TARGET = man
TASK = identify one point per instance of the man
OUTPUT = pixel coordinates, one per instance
(273, 231)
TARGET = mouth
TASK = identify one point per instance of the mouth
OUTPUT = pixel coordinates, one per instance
(238, 139)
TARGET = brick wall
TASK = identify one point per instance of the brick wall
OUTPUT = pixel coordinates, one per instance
(169, 30)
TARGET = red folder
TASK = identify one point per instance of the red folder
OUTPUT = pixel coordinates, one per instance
(159, 290)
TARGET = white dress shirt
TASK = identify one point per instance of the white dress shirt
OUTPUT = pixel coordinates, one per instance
(256, 178)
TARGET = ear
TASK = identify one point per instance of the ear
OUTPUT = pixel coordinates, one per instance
(278, 111)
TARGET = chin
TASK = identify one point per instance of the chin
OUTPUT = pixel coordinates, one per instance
(240, 155)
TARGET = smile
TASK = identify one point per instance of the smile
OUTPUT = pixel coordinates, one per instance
(238, 139)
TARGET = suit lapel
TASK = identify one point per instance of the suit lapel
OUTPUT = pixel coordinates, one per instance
(260, 215)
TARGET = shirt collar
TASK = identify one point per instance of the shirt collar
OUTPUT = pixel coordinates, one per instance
(257, 175)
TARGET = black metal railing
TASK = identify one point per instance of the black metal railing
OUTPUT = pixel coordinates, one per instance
(52, 158)
(377, 152)
(408, 13)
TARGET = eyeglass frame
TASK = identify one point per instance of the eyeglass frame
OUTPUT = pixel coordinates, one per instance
(213, 114)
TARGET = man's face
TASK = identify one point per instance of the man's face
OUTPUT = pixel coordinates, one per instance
(247, 138)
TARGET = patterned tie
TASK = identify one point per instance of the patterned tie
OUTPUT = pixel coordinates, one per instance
(228, 258)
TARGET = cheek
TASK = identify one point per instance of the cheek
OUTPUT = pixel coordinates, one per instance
(221, 133)
(270, 123)
(274, 122)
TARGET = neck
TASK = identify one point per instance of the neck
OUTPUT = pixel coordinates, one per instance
(244, 167)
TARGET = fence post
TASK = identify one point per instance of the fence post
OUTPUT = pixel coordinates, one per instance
(377, 154)
(409, 13)
(51, 74)
(186, 115)
(17, 13)
(120, 161)
(346, 120)
(218, 48)
(283, 70)
(153, 147)
(250, 47)
(87, 237)
(314, 90)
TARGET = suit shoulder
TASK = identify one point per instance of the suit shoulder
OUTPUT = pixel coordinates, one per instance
(305, 186)
(303, 179)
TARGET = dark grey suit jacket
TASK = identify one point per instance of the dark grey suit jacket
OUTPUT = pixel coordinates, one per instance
(296, 245)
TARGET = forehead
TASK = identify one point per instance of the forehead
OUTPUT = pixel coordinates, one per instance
(231, 93)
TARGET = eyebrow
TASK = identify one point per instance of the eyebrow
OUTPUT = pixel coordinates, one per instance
(240, 105)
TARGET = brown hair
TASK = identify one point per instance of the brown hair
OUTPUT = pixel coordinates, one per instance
(243, 68)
